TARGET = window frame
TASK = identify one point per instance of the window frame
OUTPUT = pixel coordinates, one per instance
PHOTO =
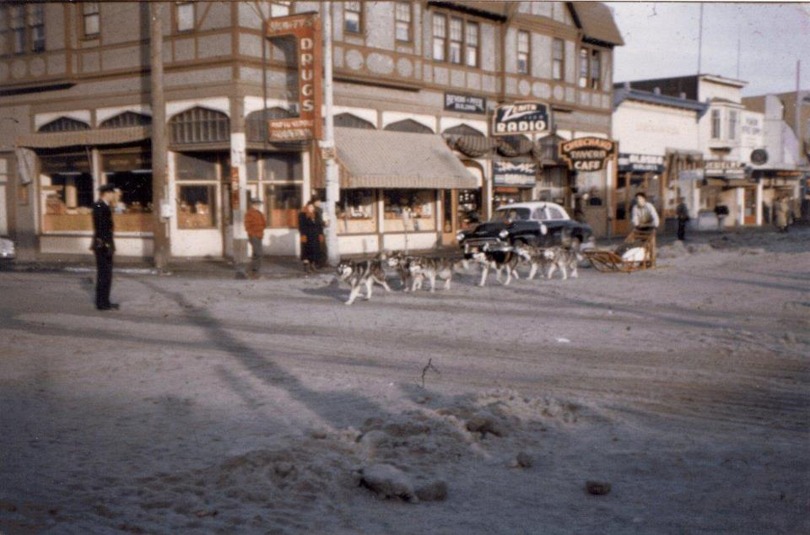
(347, 8)
(88, 16)
(178, 19)
(584, 67)
(595, 62)
(474, 48)
(521, 54)
(732, 122)
(716, 130)
(455, 40)
(35, 20)
(558, 63)
(439, 38)
(399, 22)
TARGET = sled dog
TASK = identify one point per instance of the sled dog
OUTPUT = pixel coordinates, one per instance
(499, 258)
(422, 268)
(362, 273)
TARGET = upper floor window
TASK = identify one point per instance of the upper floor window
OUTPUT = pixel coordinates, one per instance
(23, 28)
(185, 16)
(471, 44)
(523, 51)
(596, 69)
(456, 40)
(460, 45)
(36, 23)
(403, 21)
(732, 125)
(280, 9)
(92, 20)
(439, 37)
(557, 59)
(590, 68)
(716, 124)
(352, 17)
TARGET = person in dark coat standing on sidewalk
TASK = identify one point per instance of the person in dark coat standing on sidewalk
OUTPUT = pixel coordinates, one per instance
(255, 223)
(682, 213)
(104, 246)
(310, 227)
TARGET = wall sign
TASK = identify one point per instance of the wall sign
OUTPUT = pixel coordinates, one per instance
(465, 103)
(514, 174)
(588, 153)
(724, 169)
(642, 163)
(521, 118)
(306, 29)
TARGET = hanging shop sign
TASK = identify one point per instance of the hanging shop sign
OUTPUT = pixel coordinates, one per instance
(306, 30)
(514, 174)
(641, 163)
(465, 103)
(521, 118)
(588, 153)
(725, 169)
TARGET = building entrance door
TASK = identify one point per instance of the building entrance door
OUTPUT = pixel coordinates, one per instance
(448, 222)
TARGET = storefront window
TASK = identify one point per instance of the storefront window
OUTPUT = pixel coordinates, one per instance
(355, 212)
(469, 208)
(131, 173)
(200, 175)
(409, 210)
(283, 205)
(67, 192)
(197, 207)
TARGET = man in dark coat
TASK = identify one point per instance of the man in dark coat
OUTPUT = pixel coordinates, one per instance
(310, 227)
(104, 246)
(682, 213)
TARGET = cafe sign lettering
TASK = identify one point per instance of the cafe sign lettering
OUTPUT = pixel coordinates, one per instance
(725, 169)
(521, 118)
(587, 153)
(306, 30)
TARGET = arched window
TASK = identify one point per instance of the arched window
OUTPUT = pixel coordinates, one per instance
(64, 124)
(127, 119)
(409, 125)
(199, 125)
(348, 120)
(256, 122)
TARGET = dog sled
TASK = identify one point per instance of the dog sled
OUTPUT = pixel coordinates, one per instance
(636, 253)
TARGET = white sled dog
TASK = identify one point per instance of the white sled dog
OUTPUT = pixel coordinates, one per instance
(362, 273)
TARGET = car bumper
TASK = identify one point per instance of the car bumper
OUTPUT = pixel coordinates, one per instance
(475, 243)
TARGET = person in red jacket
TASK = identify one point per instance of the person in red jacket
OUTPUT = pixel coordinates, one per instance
(255, 224)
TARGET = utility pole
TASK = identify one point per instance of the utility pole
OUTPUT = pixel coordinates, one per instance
(328, 150)
(159, 146)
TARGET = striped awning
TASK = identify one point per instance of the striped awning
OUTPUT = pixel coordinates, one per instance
(84, 138)
(398, 160)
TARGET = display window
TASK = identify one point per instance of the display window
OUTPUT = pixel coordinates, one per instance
(67, 192)
(279, 176)
(199, 176)
(409, 210)
(131, 174)
(355, 212)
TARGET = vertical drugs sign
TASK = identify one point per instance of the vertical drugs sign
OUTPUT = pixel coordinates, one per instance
(306, 30)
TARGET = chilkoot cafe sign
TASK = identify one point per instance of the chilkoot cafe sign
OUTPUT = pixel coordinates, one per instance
(306, 30)
(587, 153)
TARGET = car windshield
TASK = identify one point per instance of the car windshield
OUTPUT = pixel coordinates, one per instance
(511, 214)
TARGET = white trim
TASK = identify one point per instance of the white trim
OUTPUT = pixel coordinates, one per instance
(255, 104)
(363, 113)
(42, 119)
(391, 117)
(102, 114)
(450, 122)
(221, 104)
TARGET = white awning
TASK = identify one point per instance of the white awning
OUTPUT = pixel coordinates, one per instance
(398, 160)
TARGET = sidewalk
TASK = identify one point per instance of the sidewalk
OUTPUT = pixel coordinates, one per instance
(285, 267)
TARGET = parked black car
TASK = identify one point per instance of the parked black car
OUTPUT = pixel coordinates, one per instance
(542, 224)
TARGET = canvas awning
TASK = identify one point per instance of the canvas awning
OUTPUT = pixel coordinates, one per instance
(107, 136)
(398, 160)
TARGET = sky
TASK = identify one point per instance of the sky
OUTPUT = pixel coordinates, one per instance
(759, 43)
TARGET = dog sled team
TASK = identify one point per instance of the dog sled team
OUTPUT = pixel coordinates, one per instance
(414, 270)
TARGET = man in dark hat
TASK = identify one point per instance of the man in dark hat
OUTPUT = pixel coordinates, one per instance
(103, 246)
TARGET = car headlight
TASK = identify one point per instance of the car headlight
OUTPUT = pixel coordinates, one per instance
(461, 235)
(503, 234)
(543, 229)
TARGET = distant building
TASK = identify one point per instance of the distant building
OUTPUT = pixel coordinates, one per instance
(416, 86)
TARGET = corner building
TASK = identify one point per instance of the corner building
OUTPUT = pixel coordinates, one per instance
(415, 87)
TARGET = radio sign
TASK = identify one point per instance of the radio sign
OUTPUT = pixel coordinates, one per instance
(521, 118)
(306, 29)
(587, 153)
